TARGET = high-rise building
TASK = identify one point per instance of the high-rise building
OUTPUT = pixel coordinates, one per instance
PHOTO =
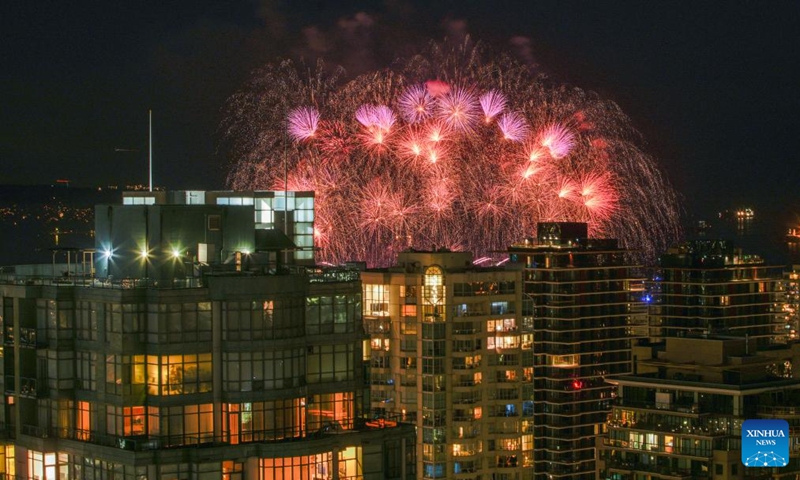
(791, 303)
(680, 414)
(447, 351)
(172, 366)
(708, 287)
(578, 296)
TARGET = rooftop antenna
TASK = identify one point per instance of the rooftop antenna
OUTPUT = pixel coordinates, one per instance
(150, 138)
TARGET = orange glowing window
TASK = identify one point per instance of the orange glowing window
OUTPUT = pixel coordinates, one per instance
(83, 422)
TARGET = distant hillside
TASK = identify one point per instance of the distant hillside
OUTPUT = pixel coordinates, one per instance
(34, 217)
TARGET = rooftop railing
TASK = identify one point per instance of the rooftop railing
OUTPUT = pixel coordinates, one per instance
(313, 275)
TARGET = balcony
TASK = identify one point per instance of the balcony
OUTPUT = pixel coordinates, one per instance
(659, 471)
(465, 331)
(681, 429)
(785, 412)
(137, 444)
(690, 408)
(697, 453)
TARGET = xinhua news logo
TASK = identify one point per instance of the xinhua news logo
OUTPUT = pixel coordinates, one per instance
(765, 443)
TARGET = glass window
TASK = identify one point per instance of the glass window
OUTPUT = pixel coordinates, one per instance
(178, 374)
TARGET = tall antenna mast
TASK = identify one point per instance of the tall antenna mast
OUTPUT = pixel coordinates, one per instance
(150, 156)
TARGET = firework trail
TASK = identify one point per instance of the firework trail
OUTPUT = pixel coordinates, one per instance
(447, 150)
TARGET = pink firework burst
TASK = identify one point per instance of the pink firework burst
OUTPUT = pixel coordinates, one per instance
(376, 200)
(458, 109)
(436, 132)
(378, 121)
(598, 194)
(303, 123)
(436, 152)
(513, 126)
(416, 104)
(532, 169)
(430, 173)
(493, 103)
(413, 144)
(383, 117)
(365, 114)
(558, 139)
(534, 153)
(566, 188)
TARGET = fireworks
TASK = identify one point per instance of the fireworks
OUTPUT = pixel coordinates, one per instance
(303, 122)
(438, 154)
(493, 103)
(558, 140)
(513, 126)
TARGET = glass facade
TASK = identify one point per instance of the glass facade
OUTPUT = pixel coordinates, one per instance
(447, 353)
(577, 306)
(269, 362)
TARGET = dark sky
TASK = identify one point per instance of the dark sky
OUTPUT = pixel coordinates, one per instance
(711, 85)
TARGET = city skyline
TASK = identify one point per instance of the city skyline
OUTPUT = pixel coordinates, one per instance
(707, 86)
(207, 334)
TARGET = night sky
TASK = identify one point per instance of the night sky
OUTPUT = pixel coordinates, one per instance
(712, 86)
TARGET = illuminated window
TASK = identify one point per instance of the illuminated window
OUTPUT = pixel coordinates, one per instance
(636, 440)
(83, 420)
(123, 372)
(501, 325)
(179, 374)
(134, 420)
(508, 444)
(42, 465)
(350, 463)
(263, 421)
(651, 441)
(502, 342)
(379, 344)
(317, 467)
(376, 300)
(408, 325)
(564, 360)
(232, 470)
(433, 292)
(330, 410)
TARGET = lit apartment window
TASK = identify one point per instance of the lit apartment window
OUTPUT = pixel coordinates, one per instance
(333, 410)
(83, 421)
(564, 360)
(376, 300)
(313, 466)
(263, 421)
(178, 374)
